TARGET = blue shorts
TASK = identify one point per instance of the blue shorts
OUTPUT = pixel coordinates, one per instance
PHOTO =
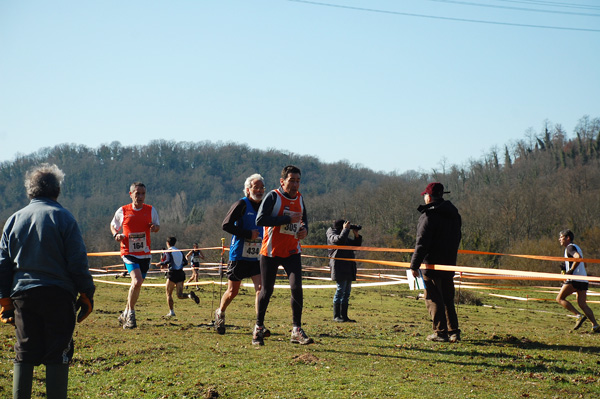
(137, 263)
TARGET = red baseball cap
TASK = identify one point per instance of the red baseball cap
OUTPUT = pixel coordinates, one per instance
(434, 189)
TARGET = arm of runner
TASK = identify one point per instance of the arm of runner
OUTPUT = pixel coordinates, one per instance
(116, 224)
(264, 216)
(575, 264)
(236, 212)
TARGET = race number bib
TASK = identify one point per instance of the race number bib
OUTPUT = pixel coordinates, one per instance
(137, 242)
(289, 229)
(251, 249)
(196, 259)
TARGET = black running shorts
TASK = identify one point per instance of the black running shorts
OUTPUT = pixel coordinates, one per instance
(578, 285)
(176, 276)
(237, 270)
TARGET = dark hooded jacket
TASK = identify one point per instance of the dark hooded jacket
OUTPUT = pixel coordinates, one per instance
(438, 237)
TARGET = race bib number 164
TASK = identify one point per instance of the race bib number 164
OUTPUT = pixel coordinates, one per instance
(137, 242)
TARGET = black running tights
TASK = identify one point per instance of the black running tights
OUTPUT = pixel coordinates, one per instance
(268, 272)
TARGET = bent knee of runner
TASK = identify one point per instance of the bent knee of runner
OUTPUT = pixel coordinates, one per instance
(136, 282)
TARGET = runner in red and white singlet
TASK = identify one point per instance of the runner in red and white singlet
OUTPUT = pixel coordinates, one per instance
(137, 220)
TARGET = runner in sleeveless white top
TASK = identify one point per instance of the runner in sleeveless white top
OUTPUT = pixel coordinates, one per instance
(579, 287)
(175, 275)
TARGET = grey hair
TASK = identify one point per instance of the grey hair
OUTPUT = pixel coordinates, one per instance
(44, 181)
(249, 180)
(136, 184)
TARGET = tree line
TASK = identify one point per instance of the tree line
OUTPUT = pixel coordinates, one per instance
(513, 200)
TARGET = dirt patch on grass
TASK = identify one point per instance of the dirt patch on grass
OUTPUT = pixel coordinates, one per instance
(306, 358)
(211, 392)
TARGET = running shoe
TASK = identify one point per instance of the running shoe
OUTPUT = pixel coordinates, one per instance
(122, 319)
(130, 322)
(170, 314)
(580, 319)
(258, 336)
(194, 297)
(220, 321)
(596, 328)
(300, 337)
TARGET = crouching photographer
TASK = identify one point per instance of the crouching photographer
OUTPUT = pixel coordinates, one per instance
(343, 270)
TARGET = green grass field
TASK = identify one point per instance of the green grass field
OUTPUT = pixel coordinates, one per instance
(509, 350)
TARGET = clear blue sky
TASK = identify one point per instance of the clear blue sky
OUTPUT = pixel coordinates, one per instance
(391, 85)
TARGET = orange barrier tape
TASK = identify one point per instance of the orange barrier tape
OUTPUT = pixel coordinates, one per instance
(113, 266)
(154, 251)
(460, 251)
(372, 249)
(152, 284)
(479, 270)
(379, 249)
(481, 273)
(536, 257)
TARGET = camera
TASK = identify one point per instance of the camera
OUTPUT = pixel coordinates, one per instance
(355, 227)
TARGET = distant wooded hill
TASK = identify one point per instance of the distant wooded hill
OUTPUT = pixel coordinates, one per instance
(512, 201)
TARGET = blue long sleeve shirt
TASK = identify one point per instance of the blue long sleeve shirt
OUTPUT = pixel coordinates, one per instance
(42, 245)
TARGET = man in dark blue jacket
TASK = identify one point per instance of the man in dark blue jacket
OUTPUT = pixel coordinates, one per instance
(438, 238)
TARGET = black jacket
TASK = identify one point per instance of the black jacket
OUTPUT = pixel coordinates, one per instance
(438, 237)
(342, 270)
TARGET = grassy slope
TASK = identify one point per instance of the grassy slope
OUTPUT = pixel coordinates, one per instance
(505, 352)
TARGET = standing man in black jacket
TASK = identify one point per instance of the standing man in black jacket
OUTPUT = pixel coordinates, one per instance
(438, 238)
(343, 271)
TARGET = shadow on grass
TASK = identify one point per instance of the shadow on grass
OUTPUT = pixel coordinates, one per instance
(504, 362)
(525, 343)
(532, 359)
